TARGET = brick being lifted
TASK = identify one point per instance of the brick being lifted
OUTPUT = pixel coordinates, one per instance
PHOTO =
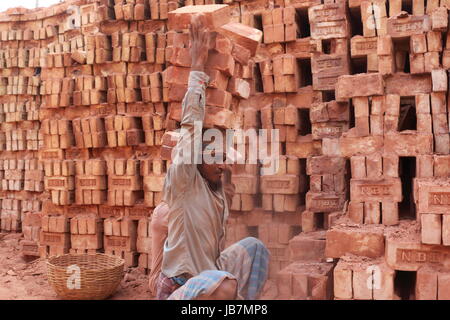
(358, 89)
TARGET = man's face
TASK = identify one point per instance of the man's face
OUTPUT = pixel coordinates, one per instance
(212, 173)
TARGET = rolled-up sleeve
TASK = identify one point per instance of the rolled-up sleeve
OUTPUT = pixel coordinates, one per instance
(193, 105)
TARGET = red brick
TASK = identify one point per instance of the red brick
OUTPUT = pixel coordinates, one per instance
(218, 117)
(303, 147)
(280, 184)
(363, 46)
(361, 85)
(381, 190)
(343, 282)
(358, 242)
(308, 247)
(384, 290)
(408, 143)
(214, 16)
(426, 284)
(439, 78)
(356, 211)
(324, 164)
(221, 62)
(431, 228)
(361, 290)
(443, 286)
(407, 84)
(218, 98)
(243, 35)
(407, 253)
(385, 46)
(389, 213)
(395, 29)
(418, 43)
(324, 201)
(439, 19)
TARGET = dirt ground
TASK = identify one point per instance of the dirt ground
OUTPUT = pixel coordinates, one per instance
(27, 280)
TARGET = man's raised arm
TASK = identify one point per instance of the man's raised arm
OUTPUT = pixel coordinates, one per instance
(193, 106)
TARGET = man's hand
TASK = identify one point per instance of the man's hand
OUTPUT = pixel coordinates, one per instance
(200, 38)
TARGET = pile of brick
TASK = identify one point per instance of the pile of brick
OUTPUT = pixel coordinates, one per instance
(359, 206)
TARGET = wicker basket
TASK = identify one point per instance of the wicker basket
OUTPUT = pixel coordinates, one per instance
(100, 274)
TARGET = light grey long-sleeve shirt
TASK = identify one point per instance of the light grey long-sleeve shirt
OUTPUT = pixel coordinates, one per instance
(197, 215)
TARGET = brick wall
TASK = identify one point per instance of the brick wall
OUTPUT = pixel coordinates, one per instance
(357, 89)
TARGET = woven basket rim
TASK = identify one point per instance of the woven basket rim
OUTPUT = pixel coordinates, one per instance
(117, 261)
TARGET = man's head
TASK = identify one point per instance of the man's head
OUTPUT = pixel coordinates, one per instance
(212, 172)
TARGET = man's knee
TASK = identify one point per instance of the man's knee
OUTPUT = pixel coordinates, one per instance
(252, 241)
(226, 291)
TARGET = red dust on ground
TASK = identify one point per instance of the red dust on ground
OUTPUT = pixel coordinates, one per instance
(25, 279)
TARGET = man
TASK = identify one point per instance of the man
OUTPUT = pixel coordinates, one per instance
(194, 264)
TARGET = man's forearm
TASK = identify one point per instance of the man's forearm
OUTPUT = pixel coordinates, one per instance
(193, 105)
(193, 113)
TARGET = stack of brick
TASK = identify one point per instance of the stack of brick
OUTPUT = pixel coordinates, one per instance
(55, 235)
(154, 125)
(226, 86)
(399, 122)
(287, 119)
(89, 132)
(86, 234)
(116, 71)
(124, 182)
(281, 191)
(432, 198)
(90, 182)
(21, 174)
(31, 227)
(34, 176)
(15, 138)
(60, 181)
(155, 47)
(128, 47)
(357, 278)
(14, 174)
(329, 33)
(151, 87)
(308, 276)
(328, 189)
(66, 53)
(87, 90)
(99, 48)
(19, 85)
(123, 131)
(245, 177)
(11, 215)
(57, 92)
(143, 244)
(406, 254)
(153, 173)
(12, 110)
(131, 10)
(123, 89)
(370, 175)
(57, 134)
(120, 235)
(280, 25)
